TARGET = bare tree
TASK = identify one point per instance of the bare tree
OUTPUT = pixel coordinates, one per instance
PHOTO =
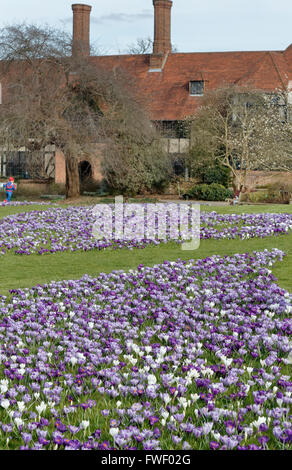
(144, 46)
(52, 98)
(244, 129)
(141, 46)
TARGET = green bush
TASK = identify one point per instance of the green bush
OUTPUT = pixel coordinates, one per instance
(132, 168)
(205, 168)
(209, 192)
(215, 174)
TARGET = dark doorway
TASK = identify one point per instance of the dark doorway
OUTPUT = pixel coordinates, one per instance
(85, 175)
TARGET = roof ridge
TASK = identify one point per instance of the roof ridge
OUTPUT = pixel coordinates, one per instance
(277, 68)
(190, 53)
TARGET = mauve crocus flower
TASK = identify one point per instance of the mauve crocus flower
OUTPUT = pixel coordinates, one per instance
(176, 439)
(26, 437)
(153, 420)
(214, 445)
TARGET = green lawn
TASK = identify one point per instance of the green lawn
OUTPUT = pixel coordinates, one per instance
(25, 271)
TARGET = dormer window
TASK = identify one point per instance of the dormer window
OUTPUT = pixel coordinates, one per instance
(196, 87)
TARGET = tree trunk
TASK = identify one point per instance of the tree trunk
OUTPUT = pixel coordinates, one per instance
(235, 184)
(238, 181)
(72, 177)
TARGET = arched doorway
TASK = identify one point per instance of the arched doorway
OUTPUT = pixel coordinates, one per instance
(85, 175)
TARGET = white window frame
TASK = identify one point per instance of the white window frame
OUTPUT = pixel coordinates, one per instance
(190, 87)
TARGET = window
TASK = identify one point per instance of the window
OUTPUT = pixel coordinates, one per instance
(14, 163)
(173, 129)
(196, 87)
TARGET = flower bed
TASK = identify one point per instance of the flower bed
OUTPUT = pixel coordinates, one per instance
(58, 230)
(244, 226)
(181, 355)
(23, 203)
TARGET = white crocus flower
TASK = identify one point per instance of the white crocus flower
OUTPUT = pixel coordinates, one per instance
(183, 402)
(113, 432)
(260, 420)
(206, 428)
(195, 397)
(166, 398)
(21, 406)
(40, 408)
(165, 414)
(5, 404)
(3, 389)
(152, 379)
(227, 361)
(162, 351)
(135, 348)
(18, 422)
(193, 373)
(289, 359)
(84, 424)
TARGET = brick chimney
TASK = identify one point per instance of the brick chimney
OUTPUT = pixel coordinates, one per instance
(81, 27)
(162, 27)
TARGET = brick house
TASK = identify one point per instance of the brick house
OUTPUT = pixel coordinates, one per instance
(173, 82)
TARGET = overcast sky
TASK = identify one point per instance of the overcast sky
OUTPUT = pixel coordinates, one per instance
(197, 25)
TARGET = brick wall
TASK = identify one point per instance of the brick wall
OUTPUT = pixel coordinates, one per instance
(60, 168)
(94, 158)
(262, 178)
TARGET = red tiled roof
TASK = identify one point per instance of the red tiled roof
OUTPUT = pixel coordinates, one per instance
(167, 92)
